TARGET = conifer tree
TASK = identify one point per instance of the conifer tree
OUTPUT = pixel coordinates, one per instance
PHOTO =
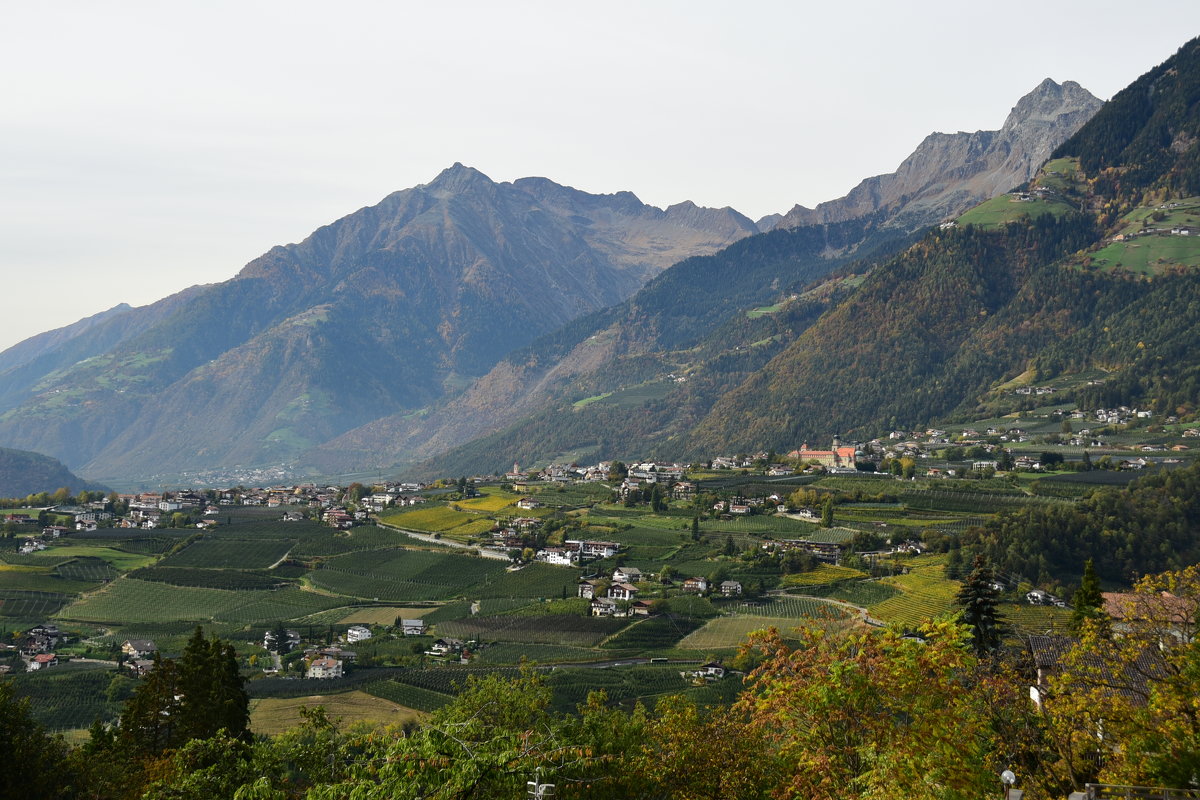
(1088, 601)
(978, 600)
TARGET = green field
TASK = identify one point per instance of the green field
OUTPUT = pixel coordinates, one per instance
(1150, 254)
(1004, 209)
(131, 601)
(230, 553)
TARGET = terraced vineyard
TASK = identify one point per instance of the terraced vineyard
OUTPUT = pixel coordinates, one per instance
(925, 593)
(824, 573)
(725, 633)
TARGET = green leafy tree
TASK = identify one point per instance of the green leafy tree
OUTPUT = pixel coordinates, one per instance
(827, 513)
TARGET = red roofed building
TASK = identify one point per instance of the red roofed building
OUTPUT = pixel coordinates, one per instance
(838, 456)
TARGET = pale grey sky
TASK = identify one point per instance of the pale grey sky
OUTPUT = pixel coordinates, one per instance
(149, 146)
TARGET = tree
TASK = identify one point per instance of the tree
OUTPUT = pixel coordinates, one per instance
(1088, 601)
(695, 529)
(827, 513)
(279, 640)
(730, 547)
(33, 760)
(192, 698)
(978, 597)
(862, 713)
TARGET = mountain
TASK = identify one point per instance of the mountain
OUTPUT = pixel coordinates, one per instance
(1088, 281)
(695, 321)
(950, 172)
(23, 473)
(385, 311)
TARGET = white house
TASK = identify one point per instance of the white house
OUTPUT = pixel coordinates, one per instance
(358, 633)
(324, 668)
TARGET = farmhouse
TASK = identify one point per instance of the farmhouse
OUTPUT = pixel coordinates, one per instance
(627, 575)
(443, 648)
(731, 588)
(412, 627)
(587, 588)
(324, 667)
(43, 661)
(622, 591)
(528, 503)
(139, 648)
(697, 584)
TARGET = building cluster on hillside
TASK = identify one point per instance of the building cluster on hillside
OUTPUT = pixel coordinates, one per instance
(617, 593)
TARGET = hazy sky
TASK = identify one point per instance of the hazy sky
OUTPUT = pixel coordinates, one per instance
(146, 147)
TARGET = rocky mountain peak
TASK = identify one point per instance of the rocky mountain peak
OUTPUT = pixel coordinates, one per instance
(1049, 102)
(458, 178)
(950, 172)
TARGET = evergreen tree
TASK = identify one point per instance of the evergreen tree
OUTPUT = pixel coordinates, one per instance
(695, 529)
(1088, 601)
(827, 513)
(730, 547)
(978, 600)
(191, 698)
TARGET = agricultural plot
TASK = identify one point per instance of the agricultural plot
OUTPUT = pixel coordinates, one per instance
(824, 573)
(654, 633)
(209, 578)
(328, 542)
(435, 519)
(120, 560)
(449, 680)
(775, 523)
(925, 593)
(491, 502)
(132, 601)
(66, 697)
(1027, 619)
(36, 606)
(40, 579)
(862, 593)
(571, 687)
(576, 631)
(87, 569)
(724, 633)
(230, 553)
(512, 653)
(402, 575)
(790, 607)
(42, 559)
(385, 615)
(274, 715)
(407, 695)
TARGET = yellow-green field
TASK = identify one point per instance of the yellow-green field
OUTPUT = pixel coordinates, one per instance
(490, 502)
(824, 573)
(385, 615)
(434, 520)
(726, 632)
(274, 715)
(925, 593)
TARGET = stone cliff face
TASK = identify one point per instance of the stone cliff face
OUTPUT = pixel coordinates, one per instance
(950, 172)
(382, 312)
